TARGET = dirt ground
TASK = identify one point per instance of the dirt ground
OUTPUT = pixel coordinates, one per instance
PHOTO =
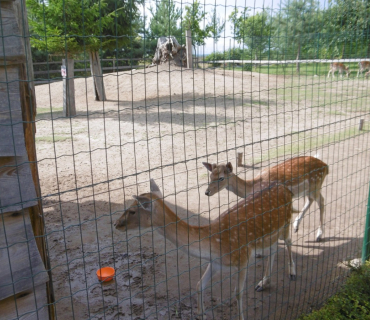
(162, 124)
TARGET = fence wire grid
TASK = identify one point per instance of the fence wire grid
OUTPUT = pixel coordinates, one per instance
(174, 124)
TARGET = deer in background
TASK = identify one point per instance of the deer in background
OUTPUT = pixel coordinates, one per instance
(304, 176)
(363, 66)
(230, 240)
(340, 67)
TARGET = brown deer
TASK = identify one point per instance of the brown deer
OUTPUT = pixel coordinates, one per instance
(229, 241)
(304, 176)
(363, 66)
(340, 67)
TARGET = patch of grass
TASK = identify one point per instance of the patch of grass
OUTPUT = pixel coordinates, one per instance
(41, 111)
(50, 139)
(336, 113)
(351, 302)
(303, 142)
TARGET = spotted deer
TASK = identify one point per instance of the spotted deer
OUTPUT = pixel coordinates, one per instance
(304, 176)
(254, 223)
(363, 66)
(340, 67)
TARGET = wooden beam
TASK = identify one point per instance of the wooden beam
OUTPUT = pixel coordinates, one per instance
(11, 123)
(11, 44)
(17, 190)
(26, 305)
(20, 262)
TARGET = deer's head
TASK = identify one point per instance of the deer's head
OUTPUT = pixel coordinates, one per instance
(219, 177)
(139, 214)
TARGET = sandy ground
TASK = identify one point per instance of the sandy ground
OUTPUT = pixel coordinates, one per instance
(162, 123)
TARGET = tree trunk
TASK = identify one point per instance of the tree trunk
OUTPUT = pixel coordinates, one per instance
(298, 56)
(96, 73)
(255, 58)
(69, 106)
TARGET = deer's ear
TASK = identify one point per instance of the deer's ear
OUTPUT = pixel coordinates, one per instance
(208, 166)
(155, 189)
(229, 167)
(144, 202)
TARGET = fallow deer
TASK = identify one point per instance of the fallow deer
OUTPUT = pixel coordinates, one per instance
(304, 176)
(230, 240)
(363, 66)
(340, 67)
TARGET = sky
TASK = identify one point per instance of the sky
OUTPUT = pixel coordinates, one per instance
(224, 9)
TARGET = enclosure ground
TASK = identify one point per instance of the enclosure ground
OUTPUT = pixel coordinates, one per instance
(163, 124)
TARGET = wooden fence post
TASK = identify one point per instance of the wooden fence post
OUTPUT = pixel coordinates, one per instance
(189, 50)
(69, 105)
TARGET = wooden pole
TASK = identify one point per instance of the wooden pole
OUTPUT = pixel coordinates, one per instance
(240, 159)
(361, 125)
(189, 50)
(69, 105)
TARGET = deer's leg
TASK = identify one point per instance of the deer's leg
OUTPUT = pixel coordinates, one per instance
(264, 283)
(321, 202)
(211, 270)
(288, 243)
(358, 73)
(329, 73)
(298, 219)
(239, 290)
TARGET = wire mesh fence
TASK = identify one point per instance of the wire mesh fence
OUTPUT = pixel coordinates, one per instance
(221, 164)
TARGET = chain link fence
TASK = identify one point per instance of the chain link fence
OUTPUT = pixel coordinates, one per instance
(182, 172)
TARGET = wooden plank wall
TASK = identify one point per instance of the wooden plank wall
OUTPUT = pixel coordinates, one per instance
(25, 278)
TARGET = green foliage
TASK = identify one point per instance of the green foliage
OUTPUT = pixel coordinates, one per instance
(72, 26)
(294, 26)
(193, 17)
(352, 302)
(164, 22)
(216, 26)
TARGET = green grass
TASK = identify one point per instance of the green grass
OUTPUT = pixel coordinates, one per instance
(351, 302)
(306, 69)
(50, 139)
(41, 111)
(302, 142)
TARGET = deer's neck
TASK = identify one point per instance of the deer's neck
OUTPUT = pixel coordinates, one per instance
(239, 186)
(192, 239)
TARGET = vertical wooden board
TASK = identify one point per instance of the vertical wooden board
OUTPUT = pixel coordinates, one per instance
(11, 125)
(20, 262)
(17, 190)
(26, 305)
(10, 41)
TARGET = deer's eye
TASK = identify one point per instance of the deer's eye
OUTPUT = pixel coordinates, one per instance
(221, 179)
(131, 212)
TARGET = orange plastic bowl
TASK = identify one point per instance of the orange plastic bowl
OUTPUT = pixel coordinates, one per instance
(105, 274)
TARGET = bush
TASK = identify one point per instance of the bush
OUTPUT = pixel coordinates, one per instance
(247, 67)
(351, 302)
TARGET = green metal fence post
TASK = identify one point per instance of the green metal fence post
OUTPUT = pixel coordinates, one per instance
(366, 242)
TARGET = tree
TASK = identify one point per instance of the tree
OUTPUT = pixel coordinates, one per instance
(294, 25)
(216, 26)
(70, 27)
(254, 31)
(164, 22)
(192, 19)
(347, 22)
